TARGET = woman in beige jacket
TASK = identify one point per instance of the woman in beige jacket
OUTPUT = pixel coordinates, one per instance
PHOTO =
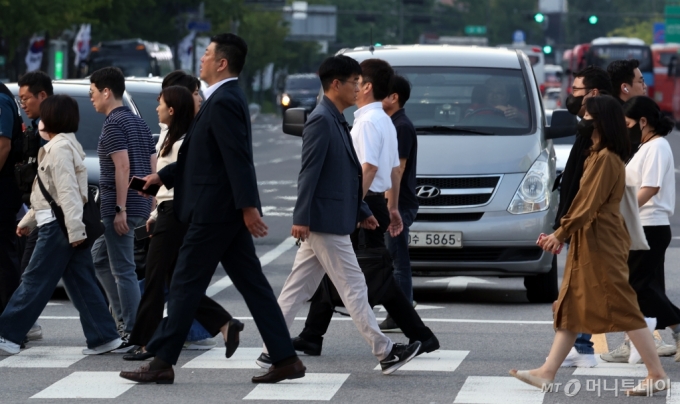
(61, 170)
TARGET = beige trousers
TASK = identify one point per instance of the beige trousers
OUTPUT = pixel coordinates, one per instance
(333, 254)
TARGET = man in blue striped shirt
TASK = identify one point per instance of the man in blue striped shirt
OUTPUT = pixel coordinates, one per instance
(126, 149)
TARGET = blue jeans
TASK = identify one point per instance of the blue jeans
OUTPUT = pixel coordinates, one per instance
(197, 332)
(584, 345)
(114, 261)
(54, 258)
(398, 247)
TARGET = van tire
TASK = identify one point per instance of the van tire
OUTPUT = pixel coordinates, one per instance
(543, 288)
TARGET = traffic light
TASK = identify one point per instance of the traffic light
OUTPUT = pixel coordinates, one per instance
(539, 18)
(592, 19)
(547, 49)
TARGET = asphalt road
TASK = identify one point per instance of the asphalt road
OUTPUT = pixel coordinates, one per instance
(485, 326)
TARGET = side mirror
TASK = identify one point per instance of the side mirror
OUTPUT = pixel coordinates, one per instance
(294, 120)
(562, 124)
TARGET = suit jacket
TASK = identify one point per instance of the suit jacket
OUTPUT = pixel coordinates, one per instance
(214, 176)
(330, 181)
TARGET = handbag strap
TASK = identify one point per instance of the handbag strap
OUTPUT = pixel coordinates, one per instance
(46, 194)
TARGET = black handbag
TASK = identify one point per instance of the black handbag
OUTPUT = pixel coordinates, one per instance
(92, 219)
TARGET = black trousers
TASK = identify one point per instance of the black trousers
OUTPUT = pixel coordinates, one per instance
(395, 302)
(204, 246)
(648, 279)
(10, 275)
(160, 266)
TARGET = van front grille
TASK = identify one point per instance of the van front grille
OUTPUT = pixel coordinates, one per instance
(456, 191)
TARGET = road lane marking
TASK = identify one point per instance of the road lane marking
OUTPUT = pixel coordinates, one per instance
(314, 386)
(419, 307)
(286, 198)
(600, 343)
(497, 390)
(243, 358)
(44, 357)
(275, 211)
(88, 385)
(437, 361)
(458, 283)
(612, 369)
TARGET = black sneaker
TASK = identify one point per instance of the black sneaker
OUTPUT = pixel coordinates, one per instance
(389, 325)
(264, 361)
(400, 355)
(430, 345)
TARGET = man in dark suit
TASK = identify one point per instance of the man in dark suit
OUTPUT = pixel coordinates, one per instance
(216, 194)
(328, 208)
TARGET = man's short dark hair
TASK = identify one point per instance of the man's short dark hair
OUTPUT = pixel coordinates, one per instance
(180, 78)
(379, 73)
(37, 82)
(622, 71)
(233, 48)
(111, 78)
(338, 67)
(59, 113)
(595, 77)
(402, 87)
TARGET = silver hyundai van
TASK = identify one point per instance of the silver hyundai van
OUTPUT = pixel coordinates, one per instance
(486, 164)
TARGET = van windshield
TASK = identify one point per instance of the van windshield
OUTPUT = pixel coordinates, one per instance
(482, 99)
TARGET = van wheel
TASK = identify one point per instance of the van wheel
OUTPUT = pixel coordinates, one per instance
(543, 288)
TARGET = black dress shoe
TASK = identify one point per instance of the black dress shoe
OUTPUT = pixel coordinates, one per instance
(235, 327)
(310, 348)
(430, 345)
(276, 374)
(144, 375)
(138, 355)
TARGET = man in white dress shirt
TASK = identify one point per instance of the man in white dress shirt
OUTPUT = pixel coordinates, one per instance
(375, 142)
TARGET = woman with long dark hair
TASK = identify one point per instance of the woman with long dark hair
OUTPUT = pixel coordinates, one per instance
(595, 296)
(177, 108)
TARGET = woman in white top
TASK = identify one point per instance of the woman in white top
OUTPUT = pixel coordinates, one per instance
(652, 171)
(176, 111)
(56, 254)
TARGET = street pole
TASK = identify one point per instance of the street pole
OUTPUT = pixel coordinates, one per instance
(401, 21)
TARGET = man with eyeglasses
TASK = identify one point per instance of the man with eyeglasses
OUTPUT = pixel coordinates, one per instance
(627, 82)
(589, 82)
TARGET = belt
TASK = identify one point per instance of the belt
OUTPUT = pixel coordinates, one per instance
(371, 193)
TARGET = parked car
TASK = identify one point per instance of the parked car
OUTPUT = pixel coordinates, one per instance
(484, 181)
(145, 92)
(134, 57)
(300, 90)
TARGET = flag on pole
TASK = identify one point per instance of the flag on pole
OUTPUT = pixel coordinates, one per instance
(35, 53)
(186, 51)
(81, 45)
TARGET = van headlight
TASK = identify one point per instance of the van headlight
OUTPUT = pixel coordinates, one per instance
(285, 100)
(533, 194)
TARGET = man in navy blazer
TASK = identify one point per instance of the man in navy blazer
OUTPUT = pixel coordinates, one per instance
(216, 194)
(328, 208)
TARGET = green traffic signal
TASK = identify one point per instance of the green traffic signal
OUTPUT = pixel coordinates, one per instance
(378, 44)
(539, 17)
(592, 19)
(547, 49)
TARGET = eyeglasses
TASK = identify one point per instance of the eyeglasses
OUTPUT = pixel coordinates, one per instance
(356, 83)
(23, 101)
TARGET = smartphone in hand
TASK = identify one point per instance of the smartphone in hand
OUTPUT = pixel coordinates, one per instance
(137, 184)
(141, 233)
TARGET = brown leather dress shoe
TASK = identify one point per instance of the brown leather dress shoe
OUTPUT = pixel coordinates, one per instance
(144, 375)
(276, 374)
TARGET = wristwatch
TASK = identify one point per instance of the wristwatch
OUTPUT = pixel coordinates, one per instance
(120, 209)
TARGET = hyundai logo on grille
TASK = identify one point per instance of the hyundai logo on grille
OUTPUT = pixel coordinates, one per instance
(427, 191)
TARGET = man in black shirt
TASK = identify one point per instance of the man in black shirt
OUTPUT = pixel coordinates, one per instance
(400, 91)
(589, 82)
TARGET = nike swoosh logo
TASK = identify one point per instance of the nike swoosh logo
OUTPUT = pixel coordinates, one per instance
(396, 359)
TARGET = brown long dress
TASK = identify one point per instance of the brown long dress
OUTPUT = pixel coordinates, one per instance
(595, 296)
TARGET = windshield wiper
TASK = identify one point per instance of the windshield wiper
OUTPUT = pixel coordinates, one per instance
(452, 129)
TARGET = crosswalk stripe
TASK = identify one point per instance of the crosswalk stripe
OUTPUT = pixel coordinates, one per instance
(314, 386)
(243, 358)
(44, 357)
(497, 390)
(612, 369)
(87, 385)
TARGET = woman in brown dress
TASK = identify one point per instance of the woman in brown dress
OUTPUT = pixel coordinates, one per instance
(595, 296)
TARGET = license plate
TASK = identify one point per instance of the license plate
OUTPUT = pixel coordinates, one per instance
(453, 239)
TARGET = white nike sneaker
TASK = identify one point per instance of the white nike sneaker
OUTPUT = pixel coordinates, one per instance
(579, 360)
(103, 348)
(8, 347)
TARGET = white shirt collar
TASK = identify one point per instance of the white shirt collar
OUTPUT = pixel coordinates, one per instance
(210, 90)
(368, 107)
